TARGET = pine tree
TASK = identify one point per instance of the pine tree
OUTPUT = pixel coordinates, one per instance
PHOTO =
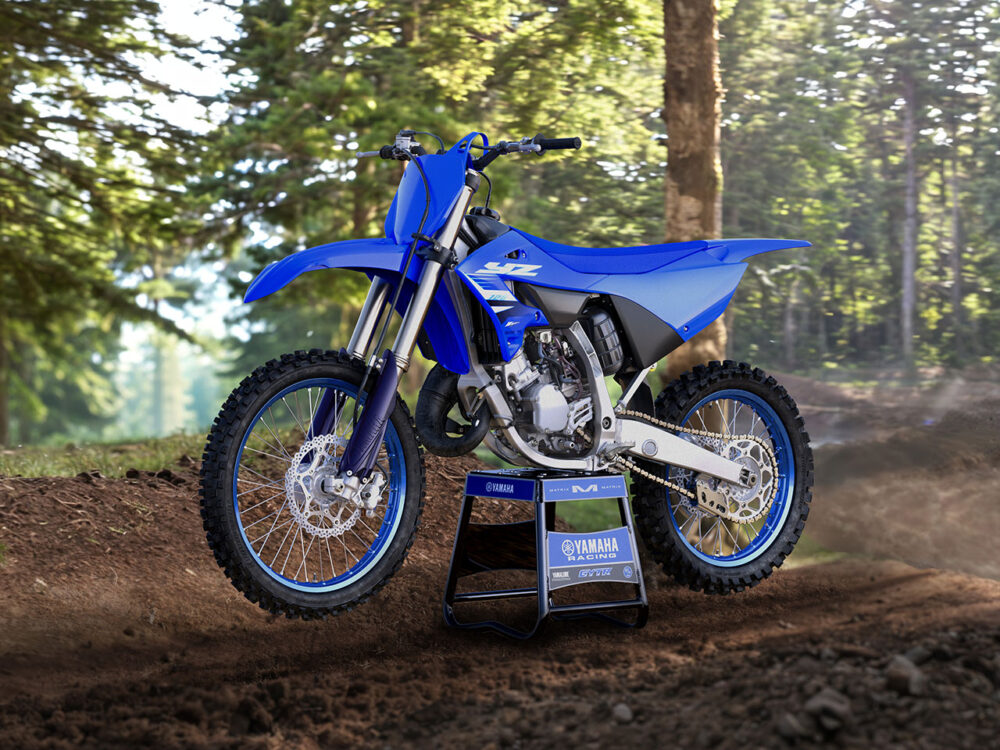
(80, 147)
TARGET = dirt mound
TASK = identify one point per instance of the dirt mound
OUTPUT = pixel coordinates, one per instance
(118, 630)
(882, 403)
(929, 495)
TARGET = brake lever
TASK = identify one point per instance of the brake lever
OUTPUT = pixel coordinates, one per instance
(388, 152)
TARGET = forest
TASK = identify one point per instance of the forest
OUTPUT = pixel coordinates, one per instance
(135, 207)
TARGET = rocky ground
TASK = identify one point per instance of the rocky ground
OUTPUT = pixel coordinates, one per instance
(118, 630)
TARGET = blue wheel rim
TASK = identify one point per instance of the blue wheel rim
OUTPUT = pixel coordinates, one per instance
(777, 514)
(392, 504)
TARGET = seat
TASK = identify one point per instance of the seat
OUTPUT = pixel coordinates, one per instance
(616, 260)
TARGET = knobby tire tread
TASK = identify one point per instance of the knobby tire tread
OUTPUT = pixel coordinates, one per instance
(652, 514)
(217, 461)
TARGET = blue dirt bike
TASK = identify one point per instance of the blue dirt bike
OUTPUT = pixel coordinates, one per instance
(313, 477)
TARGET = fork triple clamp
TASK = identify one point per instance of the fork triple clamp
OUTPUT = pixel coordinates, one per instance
(559, 560)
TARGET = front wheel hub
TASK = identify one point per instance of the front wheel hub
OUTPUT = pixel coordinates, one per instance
(311, 489)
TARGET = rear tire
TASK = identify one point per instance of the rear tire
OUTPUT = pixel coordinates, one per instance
(225, 519)
(657, 508)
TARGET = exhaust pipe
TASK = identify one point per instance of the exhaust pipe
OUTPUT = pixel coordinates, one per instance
(440, 434)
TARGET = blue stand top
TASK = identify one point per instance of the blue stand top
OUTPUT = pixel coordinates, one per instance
(559, 559)
(537, 486)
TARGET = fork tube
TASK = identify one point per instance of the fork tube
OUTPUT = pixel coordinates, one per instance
(371, 311)
(427, 285)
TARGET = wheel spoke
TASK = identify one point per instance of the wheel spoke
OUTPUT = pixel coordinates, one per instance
(721, 538)
(329, 552)
(278, 551)
(265, 536)
(252, 471)
(257, 436)
(258, 486)
(264, 453)
(281, 446)
(294, 416)
(264, 509)
(259, 520)
(252, 507)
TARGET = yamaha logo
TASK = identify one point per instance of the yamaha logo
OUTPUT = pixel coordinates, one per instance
(591, 550)
(506, 488)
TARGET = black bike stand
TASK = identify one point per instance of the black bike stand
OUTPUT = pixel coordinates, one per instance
(559, 559)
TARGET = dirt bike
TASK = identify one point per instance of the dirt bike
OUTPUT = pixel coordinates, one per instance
(313, 476)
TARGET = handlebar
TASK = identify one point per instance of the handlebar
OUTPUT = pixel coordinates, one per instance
(551, 144)
(405, 148)
(537, 145)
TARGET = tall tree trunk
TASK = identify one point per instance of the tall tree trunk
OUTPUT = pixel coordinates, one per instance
(159, 379)
(909, 281)
(956, 259)
(893, 221)
(789, 324)
(4, 387)
(691, 113)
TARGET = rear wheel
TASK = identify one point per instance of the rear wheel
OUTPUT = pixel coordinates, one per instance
(285, 533)
(706, 551)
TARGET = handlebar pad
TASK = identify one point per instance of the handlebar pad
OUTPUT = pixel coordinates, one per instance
(557, 143)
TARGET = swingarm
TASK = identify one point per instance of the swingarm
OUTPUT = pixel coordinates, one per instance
(655, 444)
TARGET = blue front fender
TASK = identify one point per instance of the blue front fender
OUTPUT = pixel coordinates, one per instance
(376, 257)
(383, 258)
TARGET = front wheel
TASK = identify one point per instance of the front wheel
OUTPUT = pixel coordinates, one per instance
(705, 550)
(276, 516)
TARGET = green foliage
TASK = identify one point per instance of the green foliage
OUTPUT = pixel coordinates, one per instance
(102, 199)
(813, 147)
(322, 81)
(111, 459)
(84, 159)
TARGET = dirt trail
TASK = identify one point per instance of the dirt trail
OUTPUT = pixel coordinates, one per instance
(929, 496)
(118, 629)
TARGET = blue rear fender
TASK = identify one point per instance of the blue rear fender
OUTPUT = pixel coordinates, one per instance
(381, 258)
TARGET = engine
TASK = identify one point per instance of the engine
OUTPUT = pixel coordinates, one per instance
(547, 388)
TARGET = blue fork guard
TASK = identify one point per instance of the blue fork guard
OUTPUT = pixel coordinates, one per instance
(362, 449)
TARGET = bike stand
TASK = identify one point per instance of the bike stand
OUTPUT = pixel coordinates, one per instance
(559, 559)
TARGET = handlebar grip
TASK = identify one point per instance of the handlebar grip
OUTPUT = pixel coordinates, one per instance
(548, 144)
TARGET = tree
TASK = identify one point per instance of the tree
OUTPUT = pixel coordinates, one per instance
(692, 112)
(79, 148)
(325, 80)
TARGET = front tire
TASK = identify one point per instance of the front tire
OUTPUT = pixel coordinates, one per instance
(305, 554)
(706, 552)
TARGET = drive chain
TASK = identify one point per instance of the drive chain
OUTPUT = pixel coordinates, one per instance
(634, 467)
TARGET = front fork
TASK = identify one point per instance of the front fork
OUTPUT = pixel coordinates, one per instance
(362, 448)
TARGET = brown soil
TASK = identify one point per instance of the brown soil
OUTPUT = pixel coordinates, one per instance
(118, 630)
(928, 495)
